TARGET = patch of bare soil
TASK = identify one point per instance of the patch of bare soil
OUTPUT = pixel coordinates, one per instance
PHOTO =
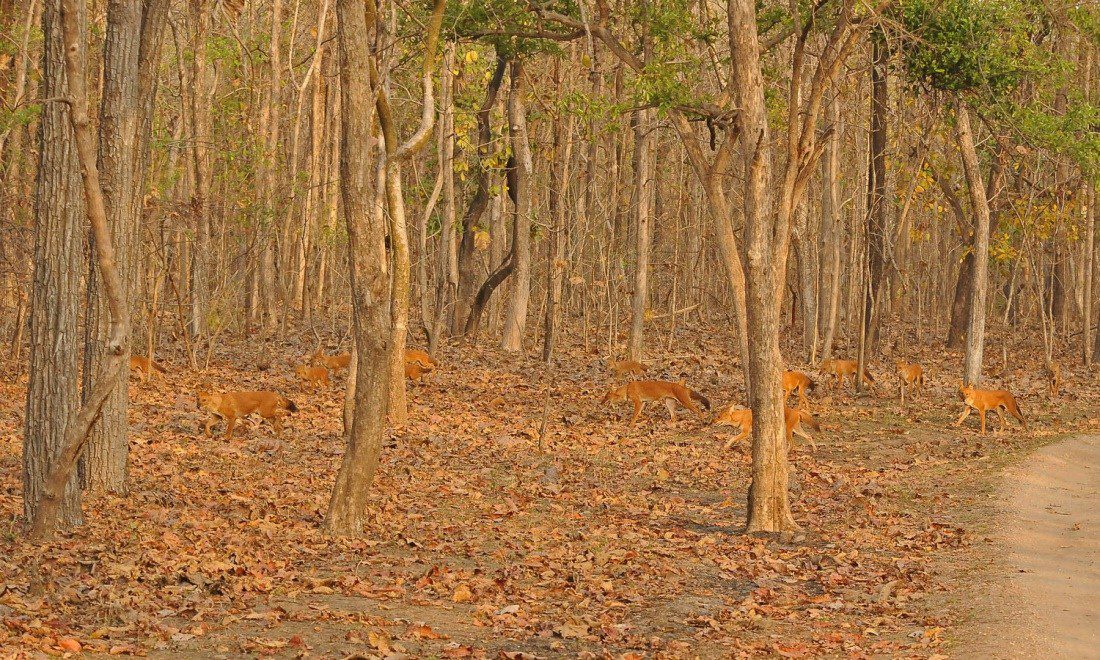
(1042, 597)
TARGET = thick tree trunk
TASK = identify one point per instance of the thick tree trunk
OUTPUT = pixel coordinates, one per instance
(769, 507)
(368, 260)
(643, 196)
(52, 396)
(515, 319)
(50, 511)
(131, 57)
(975, 338)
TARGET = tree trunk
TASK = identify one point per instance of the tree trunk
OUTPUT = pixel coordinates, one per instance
(467, 251)
(515, 320)
(975, 338)
(368, 262)
(131, 57)
(643, 195)
(52, 503)
(202, 167)
(877, 201)
(52, 396)
(555, 245)
(769, 507)
(832, 224)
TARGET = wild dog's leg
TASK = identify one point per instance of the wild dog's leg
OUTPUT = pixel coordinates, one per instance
(962, 417)
(981, 414)
(277, 422)
(209, 423)
(671, 406)
(801, 432)
(231, 421)
(639, 406)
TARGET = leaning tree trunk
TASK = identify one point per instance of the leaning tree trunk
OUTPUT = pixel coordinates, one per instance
(515, 320)
(347, 508)
(643, 195)
(55, 295)
(975, 338)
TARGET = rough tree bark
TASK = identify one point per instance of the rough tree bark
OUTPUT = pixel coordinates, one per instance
(643, 195)
(201, 116)
(369, 275)
(131, 55)
(975, 337)
(515, 320)
(53, 490)
(52, 397)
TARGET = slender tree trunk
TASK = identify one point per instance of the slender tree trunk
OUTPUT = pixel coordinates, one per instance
(555, 245)
(975, 338)
(515, 320)
(52, 396)
(831, 231)
(368, 261)
(643, 195)
(877, 201)
(201, 116)
(467, 250)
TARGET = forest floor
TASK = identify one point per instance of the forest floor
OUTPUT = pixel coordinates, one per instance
(614, 540)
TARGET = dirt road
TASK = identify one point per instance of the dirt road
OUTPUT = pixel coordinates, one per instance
(1045, 602)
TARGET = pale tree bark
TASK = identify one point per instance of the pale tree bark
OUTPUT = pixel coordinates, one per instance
(201, 116)
(131, 56)
(347, 509)
(268, 280)
(832, 226)
(515, 319)
(50, 511)
(52, 397)
(397, 153)
(975, 337)
(555, 245)
(643, 195)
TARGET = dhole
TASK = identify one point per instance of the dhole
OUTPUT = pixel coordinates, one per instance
(414, 371)
(642, 392)
(145, 366)
(231, 406)
(910, 376)
(627, 368)
(793, 419)
(333, 362)
(796, 380)
(417, 356)
(1054, 378)
(314, 377)
(986, 400)
(839, 369)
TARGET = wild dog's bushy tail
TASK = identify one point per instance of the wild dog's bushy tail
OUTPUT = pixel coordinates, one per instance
(808, 419)
(158, 367)
(812, 384)
(868, 376)
(700, 398)
(290, 405)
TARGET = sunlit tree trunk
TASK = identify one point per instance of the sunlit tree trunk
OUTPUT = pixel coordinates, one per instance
(975, 337)
(515, 320)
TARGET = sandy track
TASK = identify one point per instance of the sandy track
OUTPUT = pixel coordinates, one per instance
(1046, 604)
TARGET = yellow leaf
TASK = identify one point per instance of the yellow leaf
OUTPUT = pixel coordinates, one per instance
(462, 594)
